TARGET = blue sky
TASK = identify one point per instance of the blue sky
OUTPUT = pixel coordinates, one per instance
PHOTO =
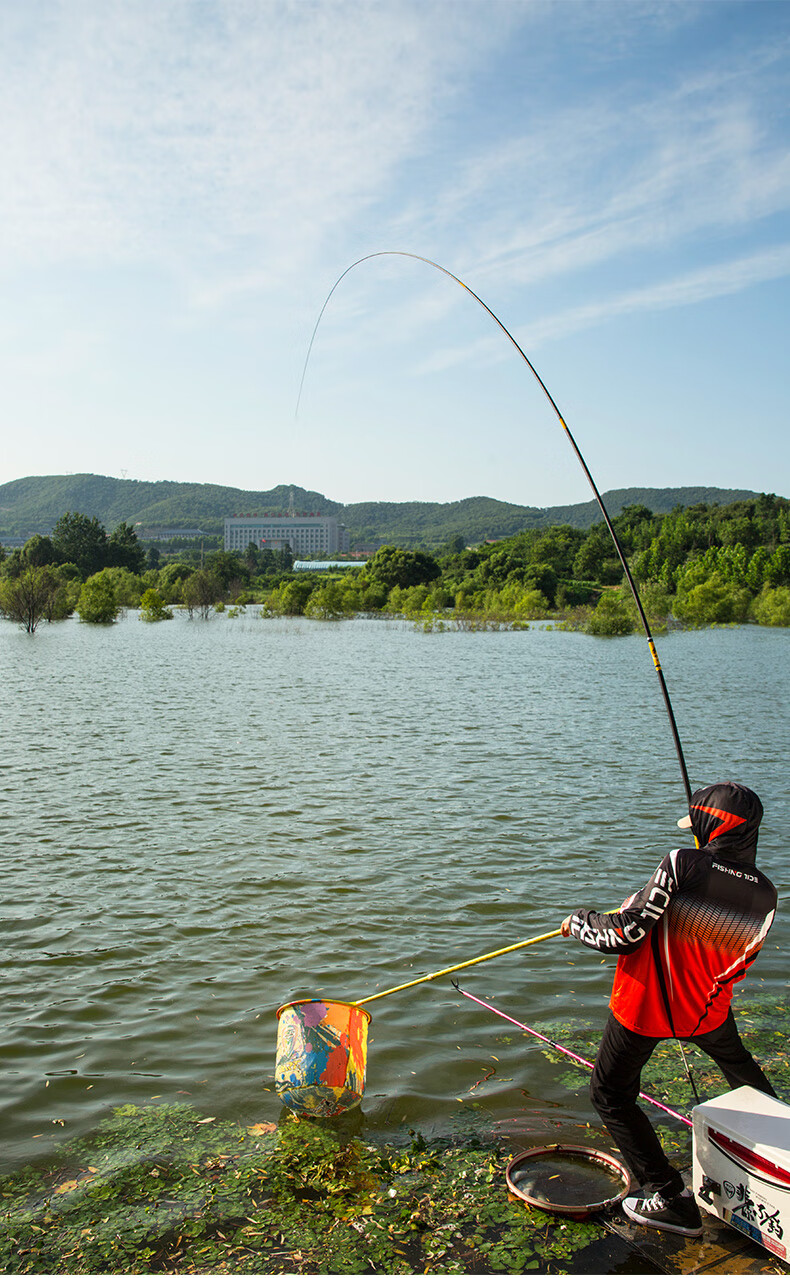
(185, 181)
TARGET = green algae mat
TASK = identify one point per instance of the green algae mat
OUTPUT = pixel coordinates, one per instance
(164, 1189)
(160, 1190)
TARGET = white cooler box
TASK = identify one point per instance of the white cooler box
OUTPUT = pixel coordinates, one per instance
(742, 1164)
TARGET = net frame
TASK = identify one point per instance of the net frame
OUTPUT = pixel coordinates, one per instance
(585, 1153)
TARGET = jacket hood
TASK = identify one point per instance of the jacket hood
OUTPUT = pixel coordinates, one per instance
(727, 816)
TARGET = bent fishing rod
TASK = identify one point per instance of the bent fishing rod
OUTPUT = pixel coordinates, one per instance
(617, 545)
(580, 1060)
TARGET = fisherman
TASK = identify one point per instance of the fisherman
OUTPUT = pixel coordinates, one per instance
(682, 942)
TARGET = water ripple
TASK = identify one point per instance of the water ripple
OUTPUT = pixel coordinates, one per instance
(220, 817)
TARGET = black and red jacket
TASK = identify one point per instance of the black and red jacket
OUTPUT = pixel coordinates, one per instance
(694, 929)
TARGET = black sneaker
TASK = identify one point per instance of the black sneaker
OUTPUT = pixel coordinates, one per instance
(676, 1215)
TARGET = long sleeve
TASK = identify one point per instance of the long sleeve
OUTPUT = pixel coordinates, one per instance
(682, 941)
(624, 931)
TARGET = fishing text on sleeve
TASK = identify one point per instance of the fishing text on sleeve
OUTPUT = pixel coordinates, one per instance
(624, 931)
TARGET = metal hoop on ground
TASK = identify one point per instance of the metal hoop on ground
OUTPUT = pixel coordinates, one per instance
(568, 1180)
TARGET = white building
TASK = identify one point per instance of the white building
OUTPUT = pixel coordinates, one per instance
(326, 565)
(305, 534)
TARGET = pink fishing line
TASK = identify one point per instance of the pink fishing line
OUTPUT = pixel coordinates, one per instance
(580, 1059)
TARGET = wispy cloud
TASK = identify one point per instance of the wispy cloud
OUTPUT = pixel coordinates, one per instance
(599, 181)
(183, 182)
(634, 200)
(685, 290)
(132, 129)
(242, 139)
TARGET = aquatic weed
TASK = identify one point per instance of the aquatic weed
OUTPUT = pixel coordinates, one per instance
(158, 1189)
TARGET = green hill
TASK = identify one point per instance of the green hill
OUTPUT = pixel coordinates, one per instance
(35, 503)
(481, 518)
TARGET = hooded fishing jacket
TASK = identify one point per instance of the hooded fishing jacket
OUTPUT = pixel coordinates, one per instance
(694, 929)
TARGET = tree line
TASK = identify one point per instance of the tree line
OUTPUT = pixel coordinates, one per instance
(700, 565)
(34, 503)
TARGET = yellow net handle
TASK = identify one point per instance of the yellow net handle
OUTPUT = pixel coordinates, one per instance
(534, 940)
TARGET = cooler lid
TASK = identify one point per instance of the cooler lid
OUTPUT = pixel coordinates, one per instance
(750, 1117)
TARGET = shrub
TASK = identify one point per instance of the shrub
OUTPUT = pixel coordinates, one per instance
(611, 616)
(372, 597)
(127, 585)
(712, 601)
(171, 581)
(518, 600)
(98, 603)
(153, 607)
(772, 607)
(407, 599)
(289, 599)
(656, 601)
(438, 599)
(570, 593)
(326, 602)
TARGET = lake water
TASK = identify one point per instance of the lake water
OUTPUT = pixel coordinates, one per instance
(204, 820)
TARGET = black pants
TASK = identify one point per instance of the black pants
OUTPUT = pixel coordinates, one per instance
(616, 1084)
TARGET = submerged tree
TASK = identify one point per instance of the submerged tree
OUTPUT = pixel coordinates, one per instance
(612, 616)
(31, 597)
(98, 601)
(154, 608)
(289, 599)
(202, 590)
(772, 607)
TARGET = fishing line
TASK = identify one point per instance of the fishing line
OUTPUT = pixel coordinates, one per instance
(618, 547)
(687, 1068)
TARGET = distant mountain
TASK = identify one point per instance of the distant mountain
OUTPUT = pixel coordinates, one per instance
(34, 505)
(479, 518)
